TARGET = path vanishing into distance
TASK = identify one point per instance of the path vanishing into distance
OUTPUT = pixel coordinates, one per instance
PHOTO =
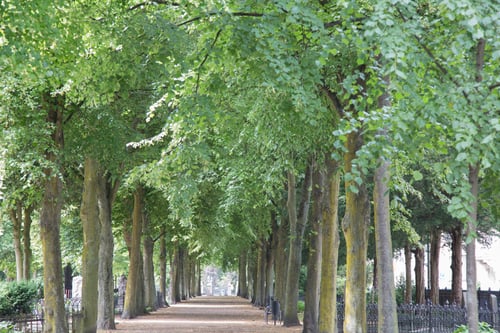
(208, 314)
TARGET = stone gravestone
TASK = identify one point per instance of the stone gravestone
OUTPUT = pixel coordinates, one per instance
(77, 287)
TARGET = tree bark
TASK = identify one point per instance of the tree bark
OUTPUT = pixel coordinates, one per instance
(148, 267)
(470, 250)
(89, 214)
(271, 255)
(17, 221)
(106, 195)
(297, 227)
(456, 264)
(242, 275)
(434, 263)
(328, 296)
(408, 284)
(419, 276)
(28, 253)
(281, 260)
(134, 294)
(50, 223)
(260, 278)
(387, 315)
(355, 226)
(174, 274)
(313, 282)
(163, 266)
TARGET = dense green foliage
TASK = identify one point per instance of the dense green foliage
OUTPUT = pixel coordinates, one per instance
(208, 105)
(483, 328)
(18, 297)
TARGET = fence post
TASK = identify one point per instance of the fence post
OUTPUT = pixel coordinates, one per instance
(494, 310)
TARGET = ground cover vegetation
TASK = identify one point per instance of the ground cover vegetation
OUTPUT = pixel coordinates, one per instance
(146, 135)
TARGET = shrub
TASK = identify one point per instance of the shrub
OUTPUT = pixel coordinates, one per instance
(18, 297)
(301, 306)
(483, 328)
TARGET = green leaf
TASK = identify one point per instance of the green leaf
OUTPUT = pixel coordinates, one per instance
(461, 157)
(417, 175)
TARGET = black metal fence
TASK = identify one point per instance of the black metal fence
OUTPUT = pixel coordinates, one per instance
(413, 318)
(33, 322)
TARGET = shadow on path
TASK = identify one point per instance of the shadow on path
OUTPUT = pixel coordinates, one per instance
(208, 314)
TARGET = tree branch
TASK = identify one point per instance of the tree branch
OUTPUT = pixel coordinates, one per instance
(205, 59)
(435, 60)
(494, 86)
(157, 2)
(332, 97)
(197, 18)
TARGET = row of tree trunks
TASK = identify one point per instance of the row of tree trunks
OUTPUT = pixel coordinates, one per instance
(185, 274)
(20, 216)
(419, 255)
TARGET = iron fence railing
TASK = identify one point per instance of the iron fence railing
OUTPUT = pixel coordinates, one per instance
(413, 318)
(33, 322)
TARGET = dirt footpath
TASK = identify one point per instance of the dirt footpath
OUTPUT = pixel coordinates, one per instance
(205, 314)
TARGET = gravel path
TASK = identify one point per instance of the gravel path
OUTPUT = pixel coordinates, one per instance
(204, 314)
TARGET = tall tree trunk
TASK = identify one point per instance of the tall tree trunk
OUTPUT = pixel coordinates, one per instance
(174, 274)
(89, 214)
(134, 295)
(328, 296)
(281, 260)
(408, 284)
(28, 253)
(148, 267)
(470, 250)
(198, 286)
(252, 274)
(17, 222)
(355, 226)
(107, 190)
(183, 270)
(297, 227)
(456, 264)
(419, 275)
(387, 315)
(242, 275)
(50, 223)
(313, 282)
(163, 266)
(271, 255)
(434, 263)
(259, 291)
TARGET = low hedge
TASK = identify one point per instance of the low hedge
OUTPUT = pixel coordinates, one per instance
(18, 297)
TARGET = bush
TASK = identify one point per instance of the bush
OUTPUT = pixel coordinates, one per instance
(301, 306)
(483, 328)
(18, 297)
